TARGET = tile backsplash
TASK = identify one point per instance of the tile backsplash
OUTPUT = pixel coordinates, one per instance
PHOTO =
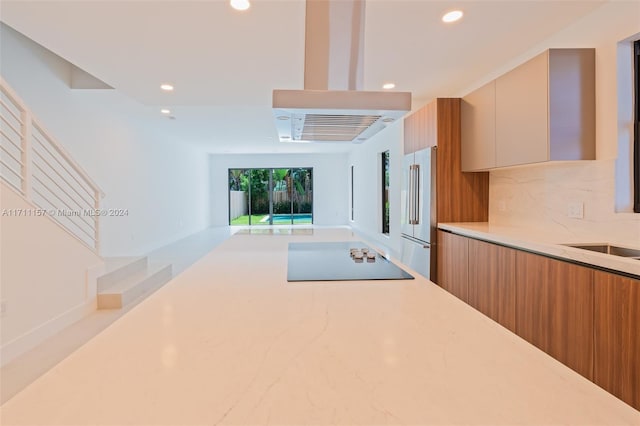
(543, 196)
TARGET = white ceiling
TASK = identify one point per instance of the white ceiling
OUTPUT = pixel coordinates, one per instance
(224, 64)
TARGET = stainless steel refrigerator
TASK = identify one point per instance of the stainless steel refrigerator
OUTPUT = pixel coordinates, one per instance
(418, 210)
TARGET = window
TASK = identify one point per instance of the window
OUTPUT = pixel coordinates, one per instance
(385, 192)
(636, 119)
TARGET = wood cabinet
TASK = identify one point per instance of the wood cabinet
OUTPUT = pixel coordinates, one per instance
(479, 273)
(543, 110)
(585, 318)
(460, 197)
(453, 259)
(554, 309)
(617, 336)
(492, 281)
(410, 127)
(420, 129)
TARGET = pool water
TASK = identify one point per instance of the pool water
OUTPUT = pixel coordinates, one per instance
(283, 219)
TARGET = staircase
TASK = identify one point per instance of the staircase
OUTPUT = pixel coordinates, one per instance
(129, 278)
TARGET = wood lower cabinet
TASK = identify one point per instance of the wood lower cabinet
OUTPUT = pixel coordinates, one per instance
(452, 266)
(617, 336)
(554, 309)
(492, 282)
(585, 318)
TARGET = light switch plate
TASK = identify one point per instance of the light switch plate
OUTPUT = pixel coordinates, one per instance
(576, 210)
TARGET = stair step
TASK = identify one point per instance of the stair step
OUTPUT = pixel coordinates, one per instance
(120, 268)
(132, 287)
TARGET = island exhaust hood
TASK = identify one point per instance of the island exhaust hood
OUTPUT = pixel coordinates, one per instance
(331, 108)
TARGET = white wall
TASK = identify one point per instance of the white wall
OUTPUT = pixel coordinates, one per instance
(44, 286)
(120, 143)
(329, 182)
(366, 159)
(537, 196)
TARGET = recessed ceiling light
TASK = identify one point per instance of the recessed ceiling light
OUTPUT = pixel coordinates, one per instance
(165, 111)
(387, 120)
(388, 85)
(283, 117)
(240, 4)
(452, 16)
(166, 87)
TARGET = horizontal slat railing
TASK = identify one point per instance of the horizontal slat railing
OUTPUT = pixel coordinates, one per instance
(11, 149)
(37, 166)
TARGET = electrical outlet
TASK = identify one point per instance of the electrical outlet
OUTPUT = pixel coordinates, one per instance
(3, 307)
(575, 210)
(502, 206)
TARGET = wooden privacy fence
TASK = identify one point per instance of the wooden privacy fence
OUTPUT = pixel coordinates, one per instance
(279, 196)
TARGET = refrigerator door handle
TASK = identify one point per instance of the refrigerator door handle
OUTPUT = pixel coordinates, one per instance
(410, 195)
(416, 189)
(409, 204)
(416, 176)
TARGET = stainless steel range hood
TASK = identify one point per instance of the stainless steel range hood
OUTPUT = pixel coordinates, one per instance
(331, 108)
(335, 115)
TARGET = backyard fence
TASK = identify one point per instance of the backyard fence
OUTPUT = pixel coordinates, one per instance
(280, 196)
(238, 205)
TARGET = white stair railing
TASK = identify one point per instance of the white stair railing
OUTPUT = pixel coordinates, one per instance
(35, 165)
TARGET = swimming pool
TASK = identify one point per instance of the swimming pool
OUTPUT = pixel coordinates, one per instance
(283, 219)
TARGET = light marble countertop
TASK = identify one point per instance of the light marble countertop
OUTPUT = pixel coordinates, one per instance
(548, 243)
(230, 341)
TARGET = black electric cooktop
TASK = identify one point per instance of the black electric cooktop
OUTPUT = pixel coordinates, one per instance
(334, 262)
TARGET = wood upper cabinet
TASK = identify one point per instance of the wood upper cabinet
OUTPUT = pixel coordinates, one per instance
(462, 197)
(420, 129)
(410, 127)
(492, 282)
(617, 336)
(452, 269)
(543, 110)
(554, 309)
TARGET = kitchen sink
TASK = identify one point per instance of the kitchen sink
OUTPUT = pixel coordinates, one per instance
(609, 249)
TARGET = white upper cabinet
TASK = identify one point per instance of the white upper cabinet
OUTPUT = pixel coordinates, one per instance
(479, 129)
(543, 110)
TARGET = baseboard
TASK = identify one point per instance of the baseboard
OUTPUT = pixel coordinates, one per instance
(20, 345)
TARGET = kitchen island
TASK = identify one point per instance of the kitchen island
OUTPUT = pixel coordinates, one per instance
(230, 341)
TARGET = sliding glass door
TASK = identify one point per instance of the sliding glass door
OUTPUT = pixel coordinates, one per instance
(301, 189)
(269, 196)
